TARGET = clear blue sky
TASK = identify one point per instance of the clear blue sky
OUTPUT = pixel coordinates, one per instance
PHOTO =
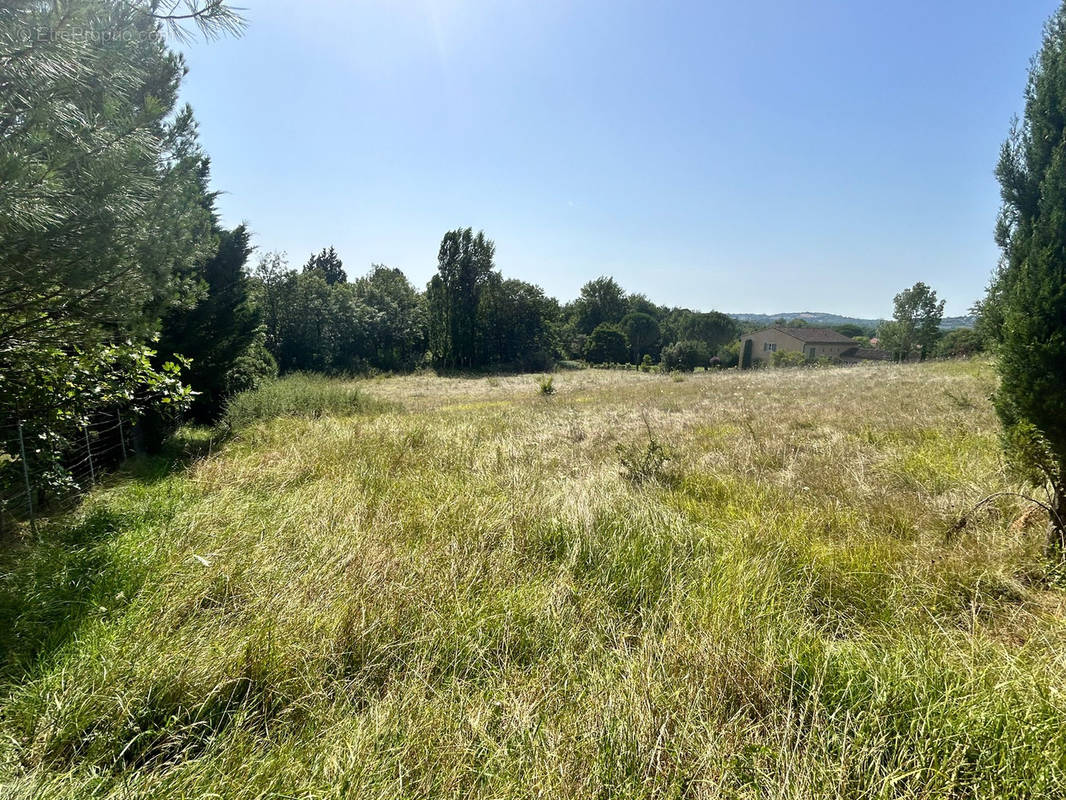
(758, 156)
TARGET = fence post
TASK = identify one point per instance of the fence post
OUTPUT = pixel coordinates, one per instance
(121, 435)
(26, 475)
(89, 450)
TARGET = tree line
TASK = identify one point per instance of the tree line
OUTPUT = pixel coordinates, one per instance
(468, 317)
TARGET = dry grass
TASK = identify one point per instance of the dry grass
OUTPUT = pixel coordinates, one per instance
(457, 592)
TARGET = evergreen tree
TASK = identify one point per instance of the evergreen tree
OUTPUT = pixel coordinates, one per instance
(104, 210)
(220, 328)
(327, 265)
(1027, 297)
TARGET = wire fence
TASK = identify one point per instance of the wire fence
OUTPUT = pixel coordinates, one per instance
(42, 471)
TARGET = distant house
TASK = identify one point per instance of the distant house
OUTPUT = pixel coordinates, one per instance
(812, 343)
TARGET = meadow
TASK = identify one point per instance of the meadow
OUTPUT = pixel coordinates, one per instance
(765, 584)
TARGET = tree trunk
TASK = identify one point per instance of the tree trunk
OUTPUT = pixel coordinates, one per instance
(1056, 531)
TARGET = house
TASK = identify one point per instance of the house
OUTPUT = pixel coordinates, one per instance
(813, 343)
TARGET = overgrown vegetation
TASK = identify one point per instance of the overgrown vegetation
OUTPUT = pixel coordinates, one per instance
(296, 395)
(471, 598)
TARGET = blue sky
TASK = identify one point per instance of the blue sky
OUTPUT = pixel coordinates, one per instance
(761, 156)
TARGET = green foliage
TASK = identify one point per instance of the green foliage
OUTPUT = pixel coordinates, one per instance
(960, 342)
(397, 327)
(729, 354)
(642, 333)
(327, 265)
(296, 395)
(104, 210)
(515, 326)
(56, 393)
(915, 325)
(685, 356)
(220, 329)
(545, 385)
(105, 213)
(251, 369)
(850, 330)
(464, 268)
(601, 302)
(607, 345)
(1028, 293)
(313, 325)
(788, 358)
(712, 328)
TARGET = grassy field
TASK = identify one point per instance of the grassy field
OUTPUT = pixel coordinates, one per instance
(736, 585)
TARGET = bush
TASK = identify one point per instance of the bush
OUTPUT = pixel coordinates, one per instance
(729, 354)
(296, 395)
(685, 356)
(959, 343)
(788, 358)
(250, 370)
(546, 387)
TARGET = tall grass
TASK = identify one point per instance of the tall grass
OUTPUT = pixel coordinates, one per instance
(296, 395)
(474, 598)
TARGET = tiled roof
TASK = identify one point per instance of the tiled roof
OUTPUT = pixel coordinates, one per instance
(812, 335)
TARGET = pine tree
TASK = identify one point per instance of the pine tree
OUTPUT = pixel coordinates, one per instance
(1028, 293)
(328, 265)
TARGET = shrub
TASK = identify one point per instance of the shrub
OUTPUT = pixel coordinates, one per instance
(250, 370)
(788, 358)
(647, 462)
(545, 385)
(685, 356)
(729, 354)
(959, 343)
(296, 395)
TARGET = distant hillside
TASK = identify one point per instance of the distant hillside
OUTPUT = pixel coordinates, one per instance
(822, 319)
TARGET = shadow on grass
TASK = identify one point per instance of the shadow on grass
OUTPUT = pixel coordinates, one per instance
(178, 452)
(50, 581)
(47, 585)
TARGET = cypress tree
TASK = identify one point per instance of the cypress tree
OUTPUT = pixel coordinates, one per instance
(1028, 292)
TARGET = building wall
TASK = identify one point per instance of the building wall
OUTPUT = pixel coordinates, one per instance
(780, 341)
(765, 343)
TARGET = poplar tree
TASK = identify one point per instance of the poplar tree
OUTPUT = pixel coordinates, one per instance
(464, 268)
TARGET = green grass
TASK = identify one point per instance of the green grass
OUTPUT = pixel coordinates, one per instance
(297, 395)
(456, 588)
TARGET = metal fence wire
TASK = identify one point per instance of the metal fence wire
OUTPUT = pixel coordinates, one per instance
(38, 472)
